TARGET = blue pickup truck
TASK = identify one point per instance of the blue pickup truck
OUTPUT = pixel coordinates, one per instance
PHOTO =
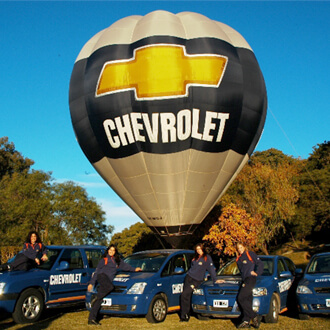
(270, 295)
(60, 281)
(154, 291)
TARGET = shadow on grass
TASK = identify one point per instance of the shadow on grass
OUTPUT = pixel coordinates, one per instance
(47, 318)
(235, 321)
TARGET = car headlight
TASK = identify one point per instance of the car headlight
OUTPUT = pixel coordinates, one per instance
(257, 292)
(2, 287)
(137, 288)
(199, 292)
(304, 289)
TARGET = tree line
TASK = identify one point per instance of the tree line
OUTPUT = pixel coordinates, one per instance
(274, 199)
(62, 213)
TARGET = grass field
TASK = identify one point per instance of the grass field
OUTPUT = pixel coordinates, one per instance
(77, 319)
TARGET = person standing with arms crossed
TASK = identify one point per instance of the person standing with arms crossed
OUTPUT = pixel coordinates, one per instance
(250, 267)
(104, 274)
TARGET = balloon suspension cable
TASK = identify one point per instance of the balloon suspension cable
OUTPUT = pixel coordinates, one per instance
(160, 241)
(296, 153)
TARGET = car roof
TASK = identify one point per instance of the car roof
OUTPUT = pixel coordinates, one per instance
(321, 254)
(274, 256)
(262, 256)
(75, 246)
(168, 251)
(268, 256)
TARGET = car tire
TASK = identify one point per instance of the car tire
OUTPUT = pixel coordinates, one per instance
(202, 317)
(303, 316)
(274, 310)
(29, 306)
(157, 310)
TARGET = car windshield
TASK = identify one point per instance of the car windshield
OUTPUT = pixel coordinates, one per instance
(231, 268)
(319, 264)
(148, 262)
(52, 256)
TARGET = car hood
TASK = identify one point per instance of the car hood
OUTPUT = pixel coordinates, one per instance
(232, 282)
(129, 278)
(318, 279)
(4, 276)
(20, 276)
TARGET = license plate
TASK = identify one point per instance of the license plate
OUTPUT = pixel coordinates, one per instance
(220, 303)
(107, 302)
(327, 302)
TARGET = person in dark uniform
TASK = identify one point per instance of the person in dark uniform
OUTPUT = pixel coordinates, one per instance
(201, 263)
(104, 274)
(32, 254)
(250, 267)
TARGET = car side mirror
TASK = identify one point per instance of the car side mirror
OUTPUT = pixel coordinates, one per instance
(285, 274)
(178, 270)
(63, 265)
(298, 271)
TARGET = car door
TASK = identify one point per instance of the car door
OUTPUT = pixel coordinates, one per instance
(284, 282)
(173, 280)
(68, 285)
(290, 265)
(291, 300)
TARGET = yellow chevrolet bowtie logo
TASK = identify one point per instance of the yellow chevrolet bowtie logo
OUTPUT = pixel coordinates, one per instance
(161, 71)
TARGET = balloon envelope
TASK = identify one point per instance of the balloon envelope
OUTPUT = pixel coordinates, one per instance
(168, 109)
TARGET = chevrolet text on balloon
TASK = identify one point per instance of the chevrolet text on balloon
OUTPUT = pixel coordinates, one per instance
(130, 127)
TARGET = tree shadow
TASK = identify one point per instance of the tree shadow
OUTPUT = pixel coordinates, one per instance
(47, 318)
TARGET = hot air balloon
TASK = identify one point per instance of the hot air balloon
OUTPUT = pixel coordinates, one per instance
(168, 108)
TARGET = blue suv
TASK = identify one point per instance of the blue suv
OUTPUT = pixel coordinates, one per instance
(313, 291)
(154, 291)
(270, 294)
(60, 281)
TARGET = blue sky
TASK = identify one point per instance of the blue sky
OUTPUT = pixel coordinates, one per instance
(41, 40)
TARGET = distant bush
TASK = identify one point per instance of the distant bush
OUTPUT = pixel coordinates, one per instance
(7, 252)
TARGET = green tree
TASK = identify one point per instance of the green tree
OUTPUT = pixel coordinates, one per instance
(137, 237)
(77, 218)
(319, 159)
(11, 161)
(272, 157)
(24, 205)
(62, 213)
(313, 207)
(266, 191)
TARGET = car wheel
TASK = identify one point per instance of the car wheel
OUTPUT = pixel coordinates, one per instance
(157, 310)
(303, 316)
(202, 317)
(274, 310)
(29, 307)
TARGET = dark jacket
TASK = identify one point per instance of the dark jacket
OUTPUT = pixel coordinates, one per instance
(109, 267)
(32, 251)
(200, 266)
(248, 262)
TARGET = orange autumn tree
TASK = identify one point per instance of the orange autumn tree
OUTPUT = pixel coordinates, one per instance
(233, 226)
(268, 192)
